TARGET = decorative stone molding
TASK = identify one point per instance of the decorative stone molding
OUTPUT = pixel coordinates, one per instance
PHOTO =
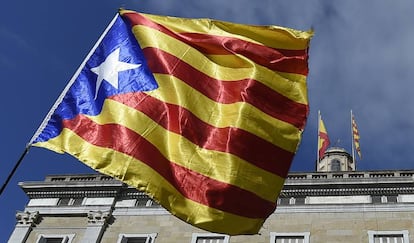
(27, 218)
(97, 223)
(358, 199)
(72, 193)
(295, 176)
(291, 191)
(98, 217)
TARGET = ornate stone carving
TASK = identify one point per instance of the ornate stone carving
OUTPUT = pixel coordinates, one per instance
(98, 217)
(27, 218)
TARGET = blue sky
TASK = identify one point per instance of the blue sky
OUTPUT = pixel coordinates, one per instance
(360, 58)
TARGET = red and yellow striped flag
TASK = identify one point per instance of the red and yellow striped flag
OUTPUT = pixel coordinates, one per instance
(356, 137)
(204, 116)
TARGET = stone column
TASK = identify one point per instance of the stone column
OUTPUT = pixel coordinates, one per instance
(25, 222)
(97, 222)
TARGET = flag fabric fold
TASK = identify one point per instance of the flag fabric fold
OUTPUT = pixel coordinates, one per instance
(323, 138)
(204, 116)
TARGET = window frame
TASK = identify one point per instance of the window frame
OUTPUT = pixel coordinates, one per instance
(335, 165)
(150, 236)
(274, 235)
(196, 236)
(373, 233)
(66, 238)
(71, 201)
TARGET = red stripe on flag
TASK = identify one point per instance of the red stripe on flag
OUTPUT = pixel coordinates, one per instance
(246, 90)
(190, 184)
(325, 143)
(232, 140)
(355, 132)
(291, 61)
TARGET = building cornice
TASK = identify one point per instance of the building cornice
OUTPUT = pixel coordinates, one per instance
(346, 191)
(297, 184)
(349, 208)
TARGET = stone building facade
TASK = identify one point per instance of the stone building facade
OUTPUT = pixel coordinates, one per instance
(318, 207)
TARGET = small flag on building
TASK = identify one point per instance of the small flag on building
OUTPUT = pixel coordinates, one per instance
(355, 136)
(323, 138)
(204, 116)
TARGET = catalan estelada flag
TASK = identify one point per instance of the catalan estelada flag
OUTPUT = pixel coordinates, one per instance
(323, 138)
(204, 116)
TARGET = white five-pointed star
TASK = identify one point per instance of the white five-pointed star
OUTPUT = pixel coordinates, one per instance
(109, 69)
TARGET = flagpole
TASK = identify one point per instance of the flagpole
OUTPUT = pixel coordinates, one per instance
(317, 145)
(55, 105)
(26, 150)
(71, 81)
(352, 141)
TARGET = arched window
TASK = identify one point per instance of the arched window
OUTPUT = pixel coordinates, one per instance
(335, 165)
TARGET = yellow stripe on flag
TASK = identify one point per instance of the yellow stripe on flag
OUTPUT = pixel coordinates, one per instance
(293, 88)
(241, 115)
(272, 36)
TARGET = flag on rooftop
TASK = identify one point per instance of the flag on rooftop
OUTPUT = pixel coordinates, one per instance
(204, 116)
(355, 136)
(323, 138)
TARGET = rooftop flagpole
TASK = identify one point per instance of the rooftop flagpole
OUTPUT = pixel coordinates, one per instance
(352, 140)
(317, 145)
(55, 105)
